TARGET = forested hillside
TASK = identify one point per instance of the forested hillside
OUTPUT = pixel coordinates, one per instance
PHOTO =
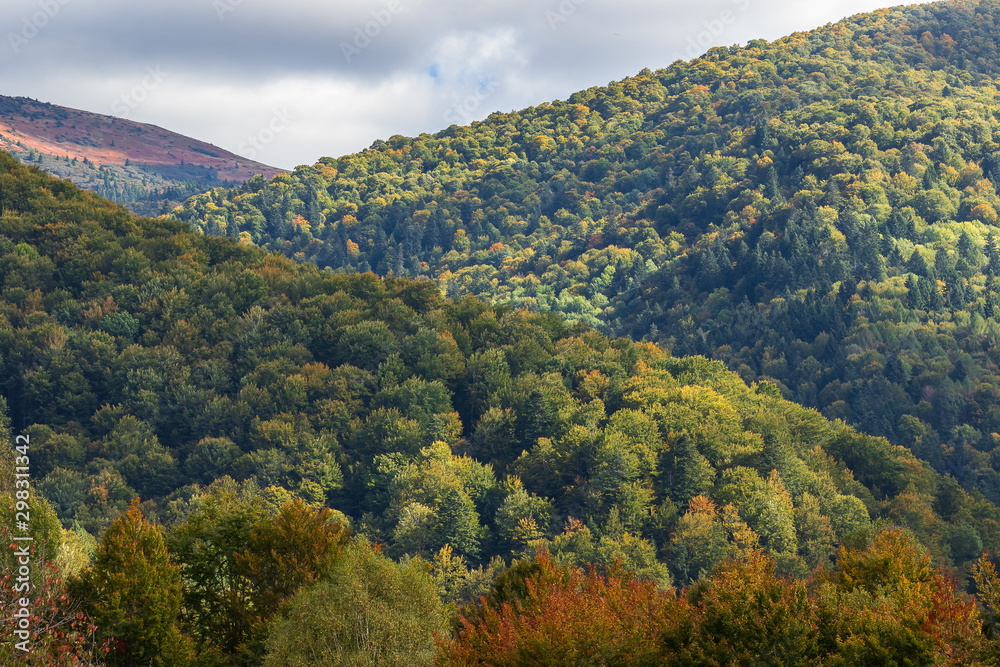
(223, 387)
(820, 211)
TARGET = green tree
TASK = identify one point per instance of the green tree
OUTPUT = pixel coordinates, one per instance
(206, 547)
(133, 593)
(366, 611)
(242, 558)
(458, 523)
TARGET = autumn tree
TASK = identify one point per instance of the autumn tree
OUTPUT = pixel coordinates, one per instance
(565, 616)
(133, 593)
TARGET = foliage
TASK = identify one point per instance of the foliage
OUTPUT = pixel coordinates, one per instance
(133, 593)
(61, 632)
(565, 617)
(820, 211)
(489, 430)
(765, 205)
(881, 604)
(242, 559)
(366, 611)
(885, 603)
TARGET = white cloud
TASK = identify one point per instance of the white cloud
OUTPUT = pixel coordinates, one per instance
(427, 63)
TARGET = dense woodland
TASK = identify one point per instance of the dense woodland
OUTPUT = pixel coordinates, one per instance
(196, 407)
(819, 211)
(239, 459)
(143, 189)
(238, 395)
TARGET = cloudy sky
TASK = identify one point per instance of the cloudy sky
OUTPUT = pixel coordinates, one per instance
(289, 82)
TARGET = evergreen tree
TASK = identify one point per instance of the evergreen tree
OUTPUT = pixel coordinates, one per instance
(133, 592)
(458, 523)
(693, 474)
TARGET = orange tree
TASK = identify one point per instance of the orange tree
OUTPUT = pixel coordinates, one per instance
(883, 604)
(561, 616)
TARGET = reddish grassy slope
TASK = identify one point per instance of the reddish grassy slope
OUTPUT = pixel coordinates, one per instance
(105, 140)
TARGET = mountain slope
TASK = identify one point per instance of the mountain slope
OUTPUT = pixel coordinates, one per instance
(135, 164)
(141, 358)
(819, 210)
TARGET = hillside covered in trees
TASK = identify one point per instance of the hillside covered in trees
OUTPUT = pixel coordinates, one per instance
(819, 211)
(241, 395)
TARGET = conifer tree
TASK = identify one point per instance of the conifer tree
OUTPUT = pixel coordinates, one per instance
(133, 593)
(458, 523)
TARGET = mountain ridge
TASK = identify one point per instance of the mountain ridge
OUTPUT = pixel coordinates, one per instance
(134, 163)
(819, 210)
(237, 393)
(142, 358)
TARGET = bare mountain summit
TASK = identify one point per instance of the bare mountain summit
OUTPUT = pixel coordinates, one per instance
(142, 166)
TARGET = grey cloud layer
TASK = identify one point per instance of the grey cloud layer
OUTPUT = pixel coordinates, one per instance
(358, 71)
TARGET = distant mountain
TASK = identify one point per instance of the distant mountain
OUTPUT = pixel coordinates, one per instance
(142, 166)
(821, 210)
